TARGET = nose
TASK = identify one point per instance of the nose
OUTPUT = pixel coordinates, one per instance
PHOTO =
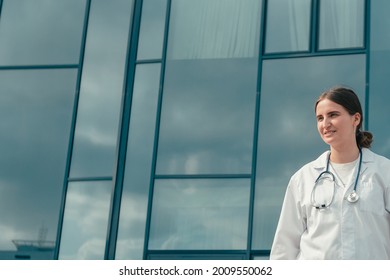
(326, 122)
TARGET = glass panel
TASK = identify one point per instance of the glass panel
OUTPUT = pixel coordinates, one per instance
(286, 114)
(200, 214)
(49, 32)
(207, 117)
(379, 78)
(288, 25)
(35, 119)
(231, 25)
(101, 89)
(341, 24)
(208, 108)
(85, 220)
(152, 29)
(139, 162)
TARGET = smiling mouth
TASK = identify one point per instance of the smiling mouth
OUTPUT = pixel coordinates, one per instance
(329, 132)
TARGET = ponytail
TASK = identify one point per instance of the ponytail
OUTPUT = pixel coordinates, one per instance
(364, 139)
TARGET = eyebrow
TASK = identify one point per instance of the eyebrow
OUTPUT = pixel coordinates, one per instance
(329, 113)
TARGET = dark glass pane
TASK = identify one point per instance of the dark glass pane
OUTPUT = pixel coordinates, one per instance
(341, 24)
(207, 116)
(288, 25)
(101, 89)
(41, 31)
(152, 29)
(200, 214)
(288, 136)
(35, 119)
(379, 78)
(85, 220)
(210, 88)
(140, 145)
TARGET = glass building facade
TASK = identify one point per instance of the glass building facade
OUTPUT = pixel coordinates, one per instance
(168, 129)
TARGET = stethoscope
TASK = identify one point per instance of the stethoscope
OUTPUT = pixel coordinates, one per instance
(326, 175)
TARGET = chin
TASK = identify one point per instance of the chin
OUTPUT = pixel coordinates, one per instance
(327, 141)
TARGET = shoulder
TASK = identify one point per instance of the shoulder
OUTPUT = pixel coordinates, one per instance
(379, 160)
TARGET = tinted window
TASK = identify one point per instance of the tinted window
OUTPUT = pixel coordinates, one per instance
(41, 31)
(35, 119)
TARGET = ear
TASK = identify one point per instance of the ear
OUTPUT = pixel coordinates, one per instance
(357, 119)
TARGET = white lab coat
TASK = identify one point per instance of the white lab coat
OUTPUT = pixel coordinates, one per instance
(345, 230)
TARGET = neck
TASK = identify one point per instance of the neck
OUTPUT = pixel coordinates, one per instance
(344, 155)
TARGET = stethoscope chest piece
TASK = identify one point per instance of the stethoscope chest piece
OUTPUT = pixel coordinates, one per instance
(353, 197)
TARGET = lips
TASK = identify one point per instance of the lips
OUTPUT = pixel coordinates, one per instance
(329, 132)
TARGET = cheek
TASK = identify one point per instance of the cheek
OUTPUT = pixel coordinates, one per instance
(319, 127)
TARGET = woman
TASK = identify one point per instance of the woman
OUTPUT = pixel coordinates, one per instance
(338, 206)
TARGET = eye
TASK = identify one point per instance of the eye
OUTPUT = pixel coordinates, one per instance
(320, 118)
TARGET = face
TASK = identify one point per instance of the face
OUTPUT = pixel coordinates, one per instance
(335, 125)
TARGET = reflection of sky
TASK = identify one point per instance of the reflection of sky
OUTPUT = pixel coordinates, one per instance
(35, 115)
(139, 162)
(288, 25)
(288, 136)
(85, 220)
(207, 116)
(200, 214)
(379, 100)
(152, 29)
(379, 78)
(101, 89)
(41, 31)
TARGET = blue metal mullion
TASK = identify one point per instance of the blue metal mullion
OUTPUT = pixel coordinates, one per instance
(89, 179)
(1, 7)
(317, 54)
(112, 231)
(203, 176)
(256, 129)
(263, 29)
(72, 132)
(314, 26)
(367, 45)
(149, 61)
(39, 67)
(157, 131)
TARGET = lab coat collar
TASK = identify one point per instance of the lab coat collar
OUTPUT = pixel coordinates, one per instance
(320, 162)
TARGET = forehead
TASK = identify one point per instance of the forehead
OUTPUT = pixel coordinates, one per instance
(327, 105)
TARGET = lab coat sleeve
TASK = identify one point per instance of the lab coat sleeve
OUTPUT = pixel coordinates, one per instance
(291, 225)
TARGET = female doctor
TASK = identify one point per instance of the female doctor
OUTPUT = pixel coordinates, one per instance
(337, 206)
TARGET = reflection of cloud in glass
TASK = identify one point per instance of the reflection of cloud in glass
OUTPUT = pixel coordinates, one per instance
(200, 214)
(49, 32)
(152, 29)
(138, 162)
(101, 89)
(85, 220)
(35, 119)
(132, 227)
(207, 117)
(8, 234)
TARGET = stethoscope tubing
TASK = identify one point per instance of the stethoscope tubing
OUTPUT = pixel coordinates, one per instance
(352, 197)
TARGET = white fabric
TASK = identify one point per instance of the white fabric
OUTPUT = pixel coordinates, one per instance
(344, 172)
(345, 230)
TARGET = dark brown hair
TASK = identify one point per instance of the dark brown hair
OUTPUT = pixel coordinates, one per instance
(350, 101)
